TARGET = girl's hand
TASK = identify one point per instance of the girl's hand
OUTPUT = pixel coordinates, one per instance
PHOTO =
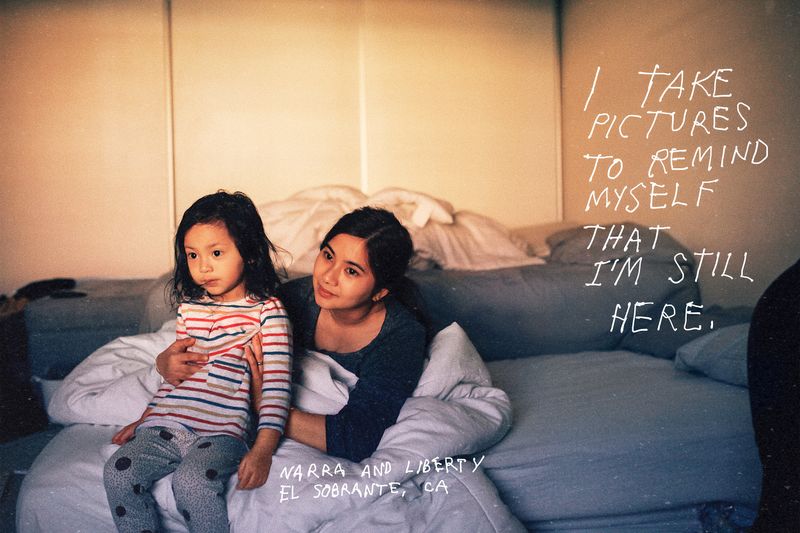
(254, 469)
(176, 364)
(255, 358)
(256, 463)
(125, 434)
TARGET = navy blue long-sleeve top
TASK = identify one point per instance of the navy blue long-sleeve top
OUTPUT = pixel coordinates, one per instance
(388, 369)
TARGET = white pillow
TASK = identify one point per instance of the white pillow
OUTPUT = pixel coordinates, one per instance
(453, 359)
(115, 383)
(471, 242)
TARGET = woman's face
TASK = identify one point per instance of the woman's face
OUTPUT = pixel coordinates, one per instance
(342, 276)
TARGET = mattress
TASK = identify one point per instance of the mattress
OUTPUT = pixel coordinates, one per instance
(601, 441)
(620, 441)
(63, 331)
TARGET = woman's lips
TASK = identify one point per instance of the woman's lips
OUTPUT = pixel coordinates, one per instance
(323, 293)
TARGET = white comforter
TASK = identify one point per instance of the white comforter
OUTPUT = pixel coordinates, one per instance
(442, 236)
(425, 475)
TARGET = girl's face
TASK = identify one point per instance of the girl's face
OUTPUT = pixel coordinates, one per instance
(214, 261)
(342, 276)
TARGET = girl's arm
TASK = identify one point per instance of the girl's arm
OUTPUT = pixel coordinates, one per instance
(269, 357)
(275, 371)
(257, 462)
(125, 434)
(306, 428)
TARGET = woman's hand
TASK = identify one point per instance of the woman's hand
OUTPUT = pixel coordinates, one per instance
(176, 364)
(255, 359)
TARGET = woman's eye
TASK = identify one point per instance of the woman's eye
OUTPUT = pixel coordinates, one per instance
(327, 255)
(351, 272)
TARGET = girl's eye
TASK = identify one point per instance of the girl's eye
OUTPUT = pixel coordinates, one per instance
(217, 253)
(191, 255)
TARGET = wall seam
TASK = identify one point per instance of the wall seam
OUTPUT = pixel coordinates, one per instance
(559, 138)
(362, 104)
(170, 120)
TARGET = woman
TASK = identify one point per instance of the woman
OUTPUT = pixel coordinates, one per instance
(358, 307)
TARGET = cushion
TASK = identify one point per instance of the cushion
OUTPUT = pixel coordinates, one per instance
(585, 245)
(720, 355)
(666, 342)
(158, 308)
(452, 360)
(541, 309)
(535, 236)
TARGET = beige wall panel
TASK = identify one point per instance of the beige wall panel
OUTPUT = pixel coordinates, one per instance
(82, 143)
(753, 208)
(266, 97)
(461, 103)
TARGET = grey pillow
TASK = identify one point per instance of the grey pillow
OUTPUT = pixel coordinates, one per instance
(158, 308)
(571, 246)
(540, 309)
(665, 343)
(720, 355)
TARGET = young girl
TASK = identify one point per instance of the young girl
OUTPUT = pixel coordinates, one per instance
(224, 283)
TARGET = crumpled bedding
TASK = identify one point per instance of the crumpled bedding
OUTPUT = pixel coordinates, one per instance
(443, 237)
(422, 477)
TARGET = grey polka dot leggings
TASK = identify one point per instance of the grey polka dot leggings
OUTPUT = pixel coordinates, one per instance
(202, 467)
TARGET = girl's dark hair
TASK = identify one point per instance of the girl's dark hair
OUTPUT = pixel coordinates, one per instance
(389, 250)
(240, 217)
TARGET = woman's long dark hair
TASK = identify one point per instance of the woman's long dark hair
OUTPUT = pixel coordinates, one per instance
(240, 217)
(389, 250)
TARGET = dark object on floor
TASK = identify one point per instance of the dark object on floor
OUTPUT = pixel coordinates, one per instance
(773, 366)
(21, 411)
(40, 289)
(68, 294)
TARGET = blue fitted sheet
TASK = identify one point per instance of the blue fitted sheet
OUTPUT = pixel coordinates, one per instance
(608, 440)
(62, 332)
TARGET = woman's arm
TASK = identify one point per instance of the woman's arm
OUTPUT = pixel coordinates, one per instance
(374, 403)
(387, 378)
(307, 428)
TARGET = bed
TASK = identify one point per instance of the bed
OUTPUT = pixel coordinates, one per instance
(558, 417)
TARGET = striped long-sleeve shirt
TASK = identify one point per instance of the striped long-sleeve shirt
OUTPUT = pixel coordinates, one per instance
(216, 399)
